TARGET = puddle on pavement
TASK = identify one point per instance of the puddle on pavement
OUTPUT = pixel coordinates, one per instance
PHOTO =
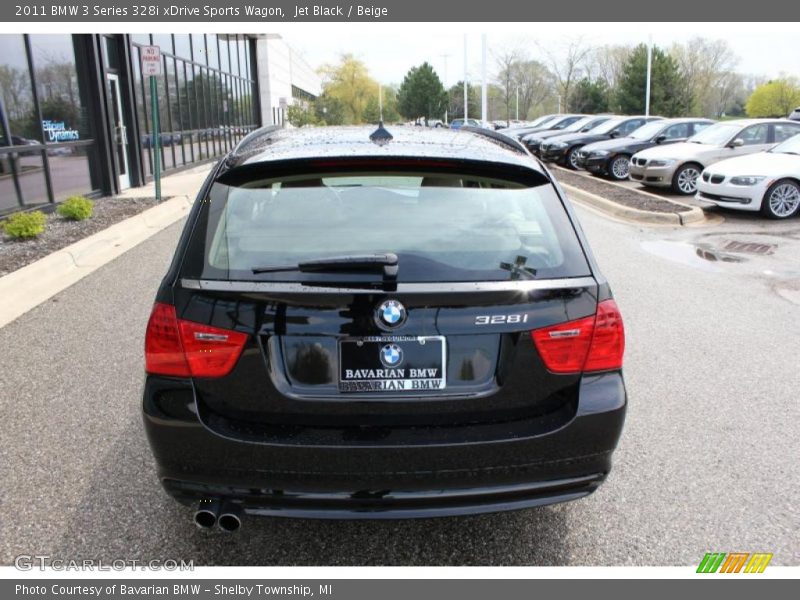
(705, 257)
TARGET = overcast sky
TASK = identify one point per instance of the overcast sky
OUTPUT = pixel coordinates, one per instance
(390, 49)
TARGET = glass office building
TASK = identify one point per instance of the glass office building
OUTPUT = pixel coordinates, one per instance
(76, 112)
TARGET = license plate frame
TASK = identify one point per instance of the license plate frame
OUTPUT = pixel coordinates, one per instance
(359, 373)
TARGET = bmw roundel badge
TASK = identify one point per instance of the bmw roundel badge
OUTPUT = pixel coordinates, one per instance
(391, 313)
(391, 355)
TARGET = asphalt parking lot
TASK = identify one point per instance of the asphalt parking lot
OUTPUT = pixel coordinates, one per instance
(707, 462)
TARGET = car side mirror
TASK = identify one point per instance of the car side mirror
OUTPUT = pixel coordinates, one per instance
(613, 134)
(660, 139)
(737, 143)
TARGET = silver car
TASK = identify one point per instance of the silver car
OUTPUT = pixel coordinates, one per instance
(678, 166)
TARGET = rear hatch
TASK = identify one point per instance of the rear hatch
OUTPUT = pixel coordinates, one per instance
(389, 295)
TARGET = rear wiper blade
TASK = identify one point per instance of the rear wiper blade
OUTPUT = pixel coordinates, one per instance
(354, 263)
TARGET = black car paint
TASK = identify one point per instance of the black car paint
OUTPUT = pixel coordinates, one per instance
(574, 141)
(257, 438)
(627, 146)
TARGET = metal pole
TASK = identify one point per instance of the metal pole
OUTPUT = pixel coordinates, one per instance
(517, 103)
(484, 88)
(447, 106)
(156, 137)
(649, 69)
(466, 91)
(380, 100)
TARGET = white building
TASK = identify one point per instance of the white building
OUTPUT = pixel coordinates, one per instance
(284, 78)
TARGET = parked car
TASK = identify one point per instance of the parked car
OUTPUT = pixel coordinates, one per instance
(563, 149)
(534, 140)
(678, 166)
(795, 116)
(611, 158)
(459, 123)
(528, 124)
(559, 123)
(344, 322)
(766, 181)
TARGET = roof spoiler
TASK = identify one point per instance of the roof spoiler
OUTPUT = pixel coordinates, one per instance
(502, 138)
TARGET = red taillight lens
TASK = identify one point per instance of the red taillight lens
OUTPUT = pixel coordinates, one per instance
(188, 349)
(210, 351)
(594, 343)
(608, 341)
(163, 352)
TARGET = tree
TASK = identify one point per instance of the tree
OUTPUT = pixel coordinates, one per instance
(300, 115)
(707, 70)
(421, 94)
(524, 80)
(456, 99)
(607, 64)
(776, 98)
(330, 110)
(350, 84)
(590, 96)
(372, 113)
(665, 79)
(568, 63)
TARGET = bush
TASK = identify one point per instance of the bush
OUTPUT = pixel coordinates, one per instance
(76, 208)
(24, 225)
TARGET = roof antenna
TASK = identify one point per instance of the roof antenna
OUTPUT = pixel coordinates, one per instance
(380, 136)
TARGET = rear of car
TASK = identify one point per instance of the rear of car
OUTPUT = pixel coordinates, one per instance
(353, 330)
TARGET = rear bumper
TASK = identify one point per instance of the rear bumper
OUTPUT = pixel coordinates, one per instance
(358, 473)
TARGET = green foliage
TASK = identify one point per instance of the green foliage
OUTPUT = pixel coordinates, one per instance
(329, 109)
(300, 116)
(590, 96)
(24, 225)
(76, 208)
(775, 98)
(421, 94)
(665, 80)
(348, 87)
(456, 96)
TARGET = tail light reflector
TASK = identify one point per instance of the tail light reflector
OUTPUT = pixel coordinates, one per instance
(595, 343)
(187, 349)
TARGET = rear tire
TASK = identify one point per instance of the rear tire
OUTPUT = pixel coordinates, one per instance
(782, 200)
(571, 158)
(619, 167)
(684, 182)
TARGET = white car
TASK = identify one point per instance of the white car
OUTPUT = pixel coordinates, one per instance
(768, 181)
(678, 166)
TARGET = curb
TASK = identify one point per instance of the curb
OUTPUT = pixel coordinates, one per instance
(695, 215)
(37, 282)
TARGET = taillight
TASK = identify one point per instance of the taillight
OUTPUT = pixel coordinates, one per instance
(594, 343)
(187, 349)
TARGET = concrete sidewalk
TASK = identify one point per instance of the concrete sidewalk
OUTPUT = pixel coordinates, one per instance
(37, 282)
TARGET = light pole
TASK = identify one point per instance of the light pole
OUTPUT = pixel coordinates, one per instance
(466, 91)
(649, 69)
(447, 106)
(484, 89)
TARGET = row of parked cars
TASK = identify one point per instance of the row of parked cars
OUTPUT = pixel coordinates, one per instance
(746, 164)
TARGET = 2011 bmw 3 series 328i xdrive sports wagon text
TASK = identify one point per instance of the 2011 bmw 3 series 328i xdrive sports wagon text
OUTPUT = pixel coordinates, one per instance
(364, 324)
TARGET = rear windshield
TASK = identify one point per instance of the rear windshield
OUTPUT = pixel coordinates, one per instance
(442, 228)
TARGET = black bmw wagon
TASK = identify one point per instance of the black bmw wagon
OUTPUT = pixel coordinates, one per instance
(373, 324)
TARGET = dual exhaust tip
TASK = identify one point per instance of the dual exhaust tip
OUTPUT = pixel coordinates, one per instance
(225, 515)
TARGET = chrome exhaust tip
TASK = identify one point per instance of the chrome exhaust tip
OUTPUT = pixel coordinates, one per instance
(207, 513)
(230, 518)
